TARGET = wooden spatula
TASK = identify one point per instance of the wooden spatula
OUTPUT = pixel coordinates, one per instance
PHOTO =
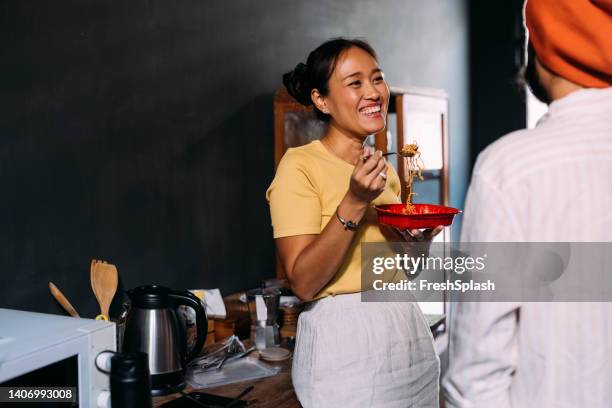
(104, 281)
(61, 299)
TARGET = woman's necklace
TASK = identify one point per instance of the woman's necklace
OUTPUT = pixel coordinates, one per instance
(329, 147)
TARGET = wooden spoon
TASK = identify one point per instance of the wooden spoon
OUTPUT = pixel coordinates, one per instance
(61, 299)
(104, 284)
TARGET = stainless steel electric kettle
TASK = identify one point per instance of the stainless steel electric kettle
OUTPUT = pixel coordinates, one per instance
(153, 327)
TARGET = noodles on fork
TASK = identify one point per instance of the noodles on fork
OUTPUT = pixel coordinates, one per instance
(413, 167)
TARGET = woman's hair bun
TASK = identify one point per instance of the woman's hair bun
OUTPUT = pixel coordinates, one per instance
(296, 82)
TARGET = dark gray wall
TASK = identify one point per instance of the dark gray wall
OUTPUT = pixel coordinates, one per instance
(496, 54)
(140, 132)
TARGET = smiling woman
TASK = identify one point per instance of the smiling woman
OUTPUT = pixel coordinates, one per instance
(348, 353)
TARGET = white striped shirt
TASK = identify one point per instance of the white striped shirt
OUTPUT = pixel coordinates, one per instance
(552, 183)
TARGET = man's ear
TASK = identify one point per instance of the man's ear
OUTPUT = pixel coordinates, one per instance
(319, 100)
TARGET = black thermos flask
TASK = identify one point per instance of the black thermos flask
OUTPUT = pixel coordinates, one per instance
(130, 381)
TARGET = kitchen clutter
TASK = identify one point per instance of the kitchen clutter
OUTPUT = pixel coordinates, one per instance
(231, 360)
(225, 363)
(169, 338)
(243, 369)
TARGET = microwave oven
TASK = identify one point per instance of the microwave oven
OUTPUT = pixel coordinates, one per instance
(43, 350)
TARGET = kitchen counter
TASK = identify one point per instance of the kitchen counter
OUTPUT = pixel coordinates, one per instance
(269, 392)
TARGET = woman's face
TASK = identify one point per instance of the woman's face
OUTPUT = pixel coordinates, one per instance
(358, 95)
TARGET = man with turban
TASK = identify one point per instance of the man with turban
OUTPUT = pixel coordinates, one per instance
(548, 184)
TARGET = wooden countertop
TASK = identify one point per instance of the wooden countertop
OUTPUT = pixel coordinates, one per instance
(269, 392)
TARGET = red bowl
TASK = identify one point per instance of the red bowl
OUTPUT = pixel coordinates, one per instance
(423, 216)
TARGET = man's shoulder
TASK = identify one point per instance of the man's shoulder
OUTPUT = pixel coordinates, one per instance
(504, 152)
(520, 154)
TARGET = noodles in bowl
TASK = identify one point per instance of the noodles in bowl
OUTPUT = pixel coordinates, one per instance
(409, 215)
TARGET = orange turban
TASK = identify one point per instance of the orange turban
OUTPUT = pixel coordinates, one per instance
(573, 39)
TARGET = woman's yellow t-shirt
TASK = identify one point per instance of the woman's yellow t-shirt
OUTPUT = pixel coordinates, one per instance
(308, 186)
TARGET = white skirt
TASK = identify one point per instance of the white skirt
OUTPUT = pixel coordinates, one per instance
(350, 353)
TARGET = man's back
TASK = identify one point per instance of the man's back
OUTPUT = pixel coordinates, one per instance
(555, 180)
(552, 183)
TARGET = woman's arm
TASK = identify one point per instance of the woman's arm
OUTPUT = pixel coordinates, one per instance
(311, 261)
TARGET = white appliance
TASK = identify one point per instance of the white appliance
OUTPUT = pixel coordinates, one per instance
(32, 341)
